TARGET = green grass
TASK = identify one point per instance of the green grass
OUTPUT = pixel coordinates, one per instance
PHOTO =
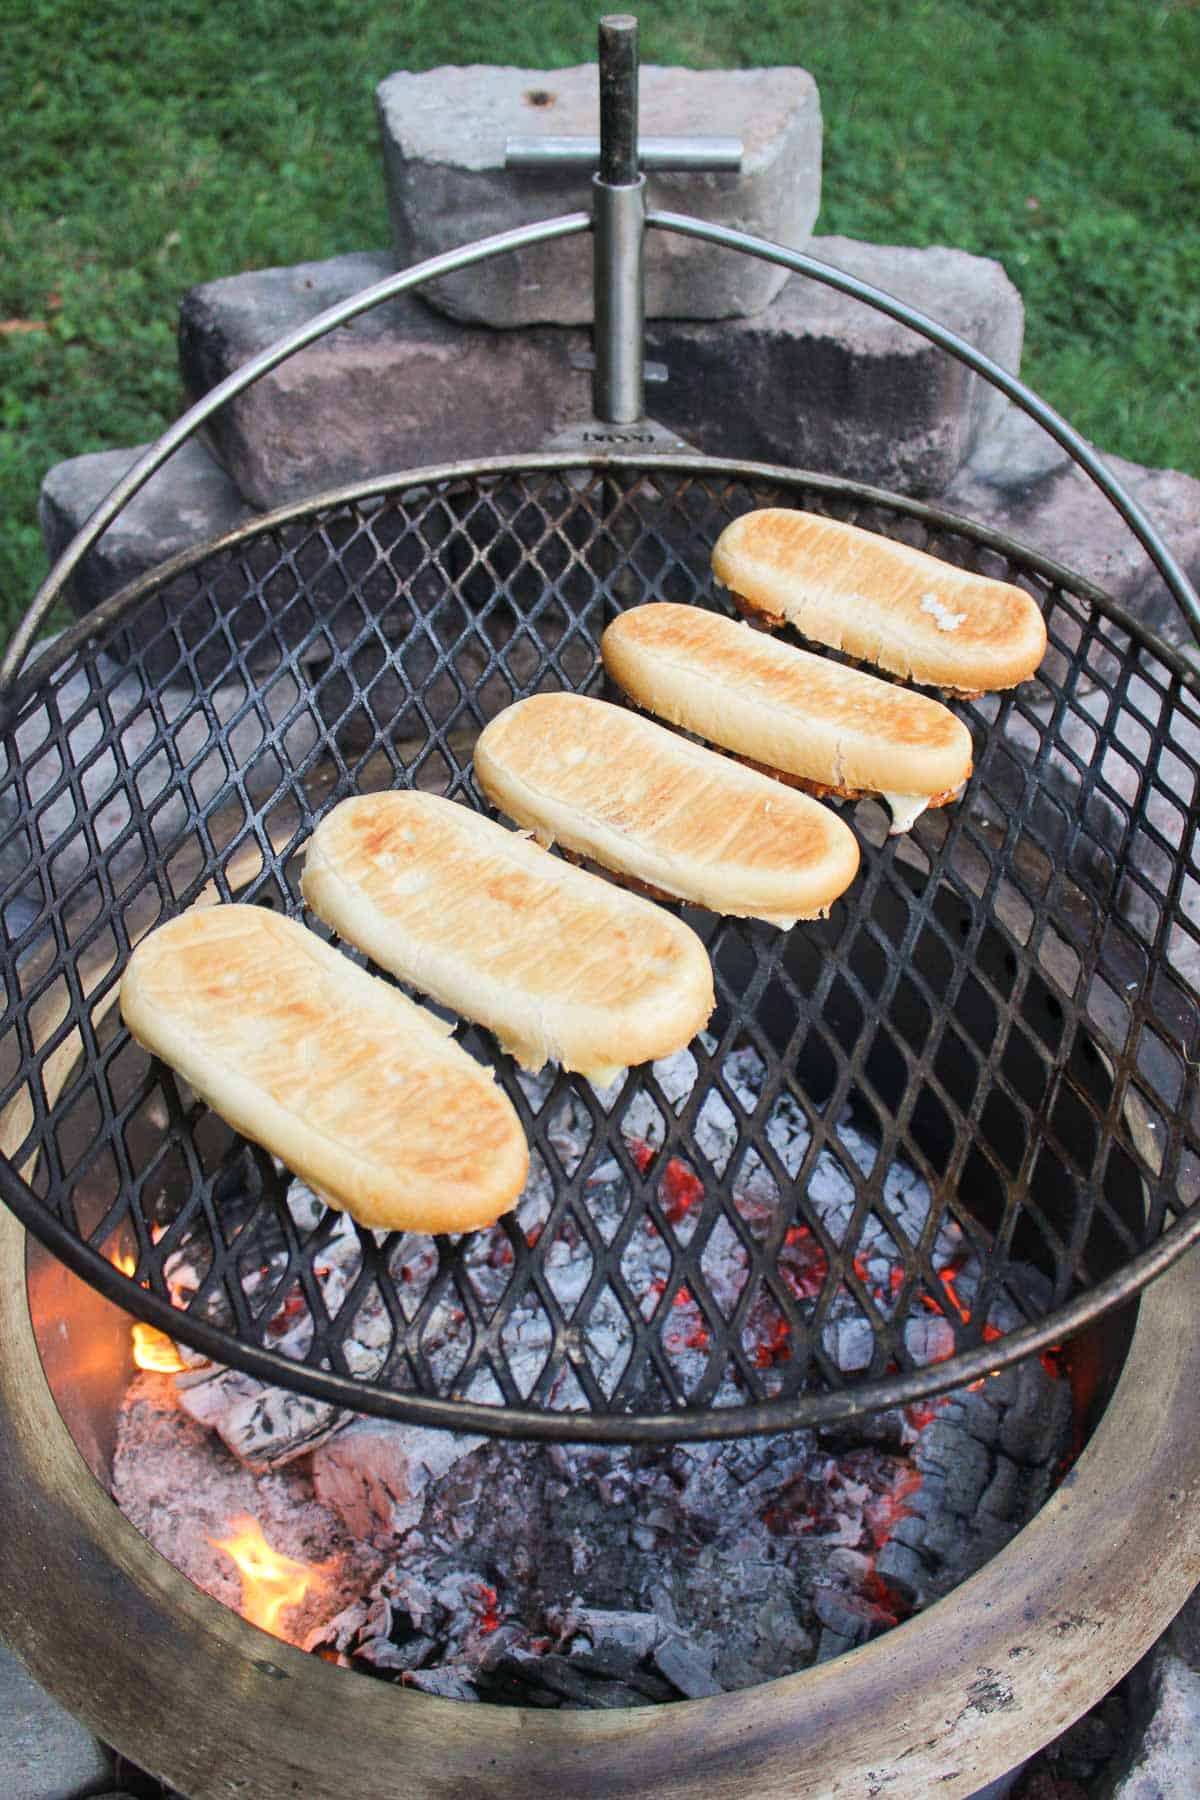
(153, 144)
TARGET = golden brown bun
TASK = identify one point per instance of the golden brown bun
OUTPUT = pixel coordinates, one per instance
(556, 962)
(855, 591)
(642, 800)
(355, 1088)
(783, 708)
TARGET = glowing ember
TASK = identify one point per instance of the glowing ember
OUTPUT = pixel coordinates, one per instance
(946, 1277)
(154, 1350)
(271, 1582)
(681, 1189)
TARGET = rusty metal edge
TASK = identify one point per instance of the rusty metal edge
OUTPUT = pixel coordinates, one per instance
(950, 1700)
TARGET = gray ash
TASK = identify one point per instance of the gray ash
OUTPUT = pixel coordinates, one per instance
(723, 1565)
(183, 1490)
(555, 1575)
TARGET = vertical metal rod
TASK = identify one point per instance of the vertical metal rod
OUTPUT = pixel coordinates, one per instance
(618, 393)
(619, 240)
(618, 59)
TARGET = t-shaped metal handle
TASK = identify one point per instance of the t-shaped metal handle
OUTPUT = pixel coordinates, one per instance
(619, 189)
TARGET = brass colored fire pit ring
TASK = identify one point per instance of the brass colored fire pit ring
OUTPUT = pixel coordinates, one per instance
(950, 1700)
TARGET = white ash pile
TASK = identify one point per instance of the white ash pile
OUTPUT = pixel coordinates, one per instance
(185, 1492)
(554, 1575)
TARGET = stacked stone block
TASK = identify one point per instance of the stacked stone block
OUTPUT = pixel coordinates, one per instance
(759, 365)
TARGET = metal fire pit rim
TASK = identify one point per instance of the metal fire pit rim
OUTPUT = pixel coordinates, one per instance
(482, 250)
(1032, 1640)
(683, 1426)
(54, 651)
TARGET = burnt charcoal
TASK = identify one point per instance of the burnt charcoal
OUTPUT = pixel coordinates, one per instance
(1039, 1417)
(610, 1664)
(985, 1538)
(982, 1421)
(974, 1495)
(778, 1622)
(851, 1616)
(642, 1574)
(389, 1658)
(1002, 1496)
(513, 1681)
(910, 1530)
(740, 1559)
(903, 1570)
(851, 1567)
(521, 1678)
(943, 1544)
(884, 1430)
(444, 1684)
(832, 1644)
(930, 1500)
(958, 1459)
(566, 1575)
(640, 1676)
(686, 1667)
(621, 1637)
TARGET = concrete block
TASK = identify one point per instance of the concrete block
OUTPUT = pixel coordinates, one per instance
(813, 381)
(1020, 482)
(1166, 1762)
(43, 850)
(396, 388)
(189, 500)
(444, 135)
(1184, 1635)
(822, 381)
(45, 1754)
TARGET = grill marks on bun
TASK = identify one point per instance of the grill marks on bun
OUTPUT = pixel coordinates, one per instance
(558, 963)
(788, 711)
(363, 1093)
(905, 611)
(358, 1090)
(648, 804)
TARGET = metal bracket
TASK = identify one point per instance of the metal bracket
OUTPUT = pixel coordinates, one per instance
(619, 196)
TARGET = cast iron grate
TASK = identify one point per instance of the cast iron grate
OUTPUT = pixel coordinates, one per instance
(975, 1075)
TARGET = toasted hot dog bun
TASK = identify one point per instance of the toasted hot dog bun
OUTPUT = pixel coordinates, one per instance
(558, 963)
(805, 716)
(908, 612)
(651, 805)
(359, 1091)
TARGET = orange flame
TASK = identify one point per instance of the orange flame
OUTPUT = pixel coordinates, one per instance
(271, 1581)
(154, 1350)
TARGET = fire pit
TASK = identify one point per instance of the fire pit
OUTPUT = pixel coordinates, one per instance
(923, 1141)
(949, 1700)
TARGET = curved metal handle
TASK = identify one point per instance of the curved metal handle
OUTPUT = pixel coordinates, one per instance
(1077, 449)
(569, 225)
(545, 231)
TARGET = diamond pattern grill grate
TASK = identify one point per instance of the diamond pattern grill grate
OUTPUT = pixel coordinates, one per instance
(920, 1138)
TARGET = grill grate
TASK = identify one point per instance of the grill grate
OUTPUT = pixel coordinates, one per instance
(975, 1076)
